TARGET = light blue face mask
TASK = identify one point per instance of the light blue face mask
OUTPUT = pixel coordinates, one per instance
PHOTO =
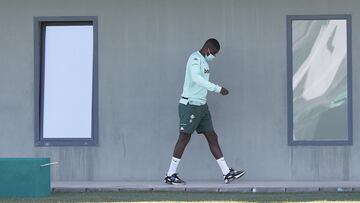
(210, 57)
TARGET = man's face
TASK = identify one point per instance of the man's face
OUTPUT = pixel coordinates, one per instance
(212, 51)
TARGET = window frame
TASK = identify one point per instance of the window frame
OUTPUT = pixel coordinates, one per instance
(40, 24)
(291, 141)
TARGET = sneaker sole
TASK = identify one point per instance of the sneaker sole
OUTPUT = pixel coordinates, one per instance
(235, 178)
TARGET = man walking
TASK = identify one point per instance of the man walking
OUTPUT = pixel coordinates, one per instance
(195, 115)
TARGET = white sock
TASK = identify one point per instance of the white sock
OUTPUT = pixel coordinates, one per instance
(173, 166)
(223, 166)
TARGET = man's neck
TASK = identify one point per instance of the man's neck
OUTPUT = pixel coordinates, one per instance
(202, 52)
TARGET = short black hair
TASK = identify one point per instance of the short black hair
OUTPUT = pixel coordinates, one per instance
(213, 43)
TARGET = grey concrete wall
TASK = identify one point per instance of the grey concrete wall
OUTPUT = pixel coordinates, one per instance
(143, 48)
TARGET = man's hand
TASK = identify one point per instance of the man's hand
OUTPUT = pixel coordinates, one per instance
(224, 91)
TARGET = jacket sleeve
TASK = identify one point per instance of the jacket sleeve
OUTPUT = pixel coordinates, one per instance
(195, 72)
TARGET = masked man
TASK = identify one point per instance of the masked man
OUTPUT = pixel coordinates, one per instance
(194, 112)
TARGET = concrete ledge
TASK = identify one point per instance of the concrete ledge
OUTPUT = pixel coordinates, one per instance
(69, 190)
(136, 189)
(328, 189)
(356, 189)
(268, 189)
(201, 189)
(170, 189)
(345, 189)
(208, 186)
(235, 189)
(336, 189)
(302, 189)
(102, 189)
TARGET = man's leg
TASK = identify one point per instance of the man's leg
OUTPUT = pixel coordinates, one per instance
(213, 142)
(189, 120)
(181, 144)
(215, 149)
(206, 127)
(229, 173)
(171, 176)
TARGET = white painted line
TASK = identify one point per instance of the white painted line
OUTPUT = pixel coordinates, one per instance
(48, 164)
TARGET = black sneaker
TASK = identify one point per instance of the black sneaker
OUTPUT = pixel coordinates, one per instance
(174, 180)
(233, 175)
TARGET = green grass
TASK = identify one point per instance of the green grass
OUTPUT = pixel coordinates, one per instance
(193, 197)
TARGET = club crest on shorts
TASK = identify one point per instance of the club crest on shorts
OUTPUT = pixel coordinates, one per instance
(192, 116)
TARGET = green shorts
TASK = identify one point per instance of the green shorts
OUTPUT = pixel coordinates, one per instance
(194, 117)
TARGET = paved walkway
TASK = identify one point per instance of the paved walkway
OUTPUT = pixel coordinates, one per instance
(203, 186)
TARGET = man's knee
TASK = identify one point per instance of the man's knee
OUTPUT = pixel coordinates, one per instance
(211, 134)
(184, 137)
(211, 137)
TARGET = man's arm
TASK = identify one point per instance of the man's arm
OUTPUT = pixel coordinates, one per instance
(199, 80)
